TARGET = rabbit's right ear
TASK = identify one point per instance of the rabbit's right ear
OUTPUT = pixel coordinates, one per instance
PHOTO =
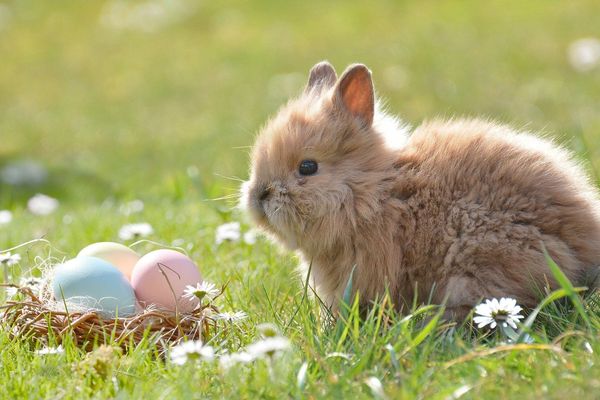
(322, 76)
(354, 93)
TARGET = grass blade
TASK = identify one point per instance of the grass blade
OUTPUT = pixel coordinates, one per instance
(345, 307)
(427, 330)
(526, 326)
(566, 284)
(348, 291)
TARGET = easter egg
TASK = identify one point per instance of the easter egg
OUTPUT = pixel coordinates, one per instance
(160, 278)
(92, 283)
(117, 254)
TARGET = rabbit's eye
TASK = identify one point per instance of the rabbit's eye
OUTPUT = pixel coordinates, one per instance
(308, 167)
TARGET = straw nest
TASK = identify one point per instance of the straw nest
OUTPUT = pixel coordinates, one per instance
(36, 317)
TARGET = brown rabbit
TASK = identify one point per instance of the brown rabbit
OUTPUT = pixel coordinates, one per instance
(460, 211)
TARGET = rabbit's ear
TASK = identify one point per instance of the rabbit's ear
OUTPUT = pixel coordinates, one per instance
(355, 93)
(322, 75)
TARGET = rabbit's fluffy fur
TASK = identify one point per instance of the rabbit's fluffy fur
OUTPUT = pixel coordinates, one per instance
(457, 211)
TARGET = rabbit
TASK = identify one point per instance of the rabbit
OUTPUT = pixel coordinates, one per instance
(454, 212)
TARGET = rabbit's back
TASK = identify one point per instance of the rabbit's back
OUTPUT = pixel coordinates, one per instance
(485, 201)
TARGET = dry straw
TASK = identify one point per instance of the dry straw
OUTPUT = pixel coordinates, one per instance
(38, 319)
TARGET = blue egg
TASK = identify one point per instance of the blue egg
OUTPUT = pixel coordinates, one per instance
(92, 283)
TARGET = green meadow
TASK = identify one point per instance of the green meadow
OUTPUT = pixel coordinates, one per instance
(106, 103)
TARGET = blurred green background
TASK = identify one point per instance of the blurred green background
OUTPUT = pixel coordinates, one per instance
(160, 100)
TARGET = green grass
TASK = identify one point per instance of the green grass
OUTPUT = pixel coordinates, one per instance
(116, 115)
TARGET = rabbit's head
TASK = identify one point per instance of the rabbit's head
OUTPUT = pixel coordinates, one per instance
(318, 165)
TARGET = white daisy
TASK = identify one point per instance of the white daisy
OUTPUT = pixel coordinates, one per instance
(50, 350)
(493, 312)
(9, 259)
(584, 54)
(135, 231)
(5, 217)
(191, 350)
(268, 347)
(231, 316)
(228, 232)
(11, 291)
(40, 204)
(227, 361)
(33, 283)
(200, 291)
(267, 329)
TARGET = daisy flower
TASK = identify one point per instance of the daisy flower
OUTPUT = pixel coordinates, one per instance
(267, 329)
(231, 316)
(226, 361)
(191, 350)
(228, 232)
(11, 291)
(135, 231)
(9, 259)
(33, 283)
(50, 350)
(40, 204)
(268, 347)
(493, 312)
(5, 217)
(6, 260)
(201, 290)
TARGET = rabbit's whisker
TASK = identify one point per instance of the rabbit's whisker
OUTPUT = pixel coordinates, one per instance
(226, 197)
(231, 178)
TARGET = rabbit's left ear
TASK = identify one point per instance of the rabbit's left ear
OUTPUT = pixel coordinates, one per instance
(322, 75)
(355, 93)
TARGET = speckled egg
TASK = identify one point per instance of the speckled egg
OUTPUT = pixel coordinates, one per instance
(160, 277)
(117, 254)
(93, 283)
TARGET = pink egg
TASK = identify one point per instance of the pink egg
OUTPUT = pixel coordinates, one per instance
(160, 278)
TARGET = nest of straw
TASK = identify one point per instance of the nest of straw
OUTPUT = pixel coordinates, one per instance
(36, 318)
